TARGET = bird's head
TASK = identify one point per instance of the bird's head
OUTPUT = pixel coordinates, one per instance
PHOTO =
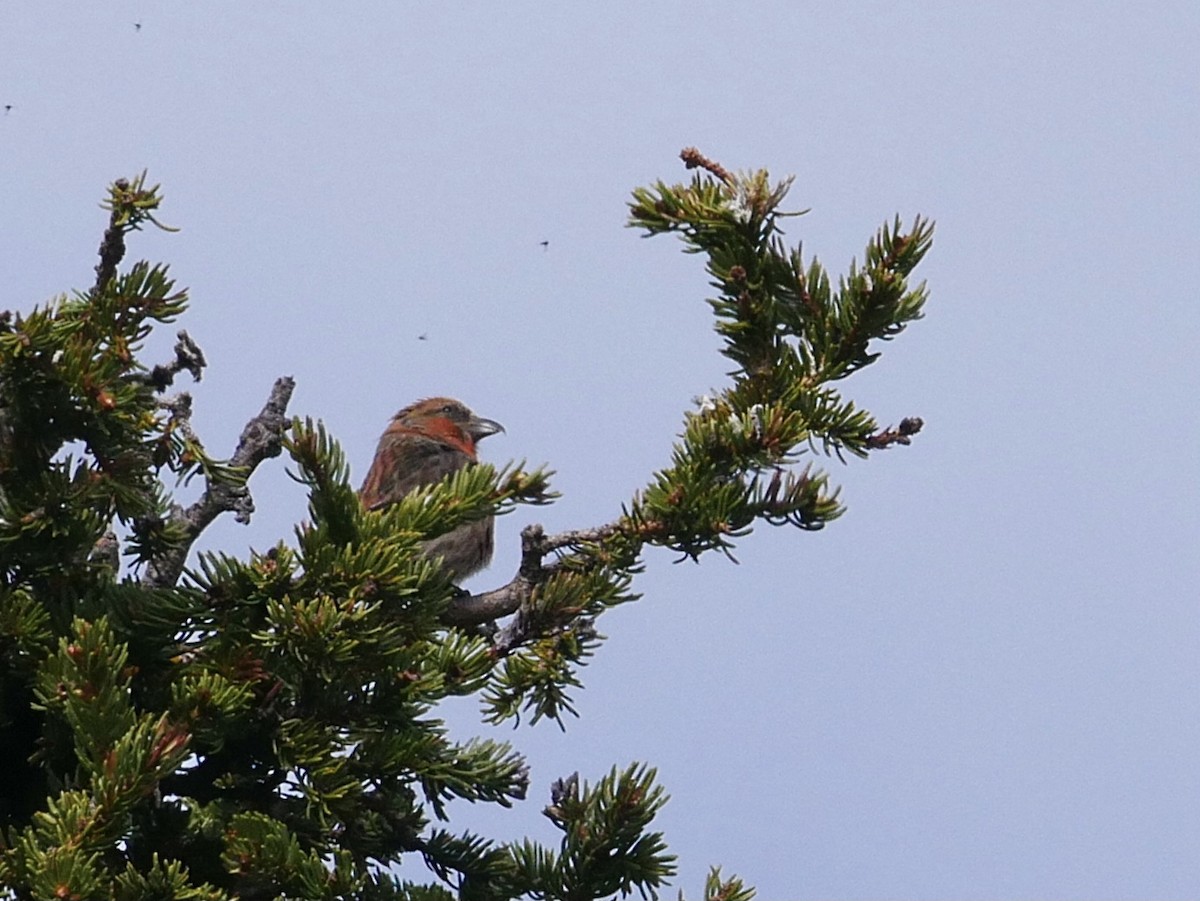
(449, 419)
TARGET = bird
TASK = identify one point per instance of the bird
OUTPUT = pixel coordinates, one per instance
(425, 442)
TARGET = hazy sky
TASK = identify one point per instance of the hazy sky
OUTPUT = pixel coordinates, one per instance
(983, 681)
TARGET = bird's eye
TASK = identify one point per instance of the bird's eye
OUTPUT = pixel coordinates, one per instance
(448, 409)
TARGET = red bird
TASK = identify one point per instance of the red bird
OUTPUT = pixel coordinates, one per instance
(424, 443)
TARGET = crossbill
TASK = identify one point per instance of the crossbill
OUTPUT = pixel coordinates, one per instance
(424, 443)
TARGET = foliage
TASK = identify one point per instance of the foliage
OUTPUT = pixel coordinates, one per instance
(266, 727)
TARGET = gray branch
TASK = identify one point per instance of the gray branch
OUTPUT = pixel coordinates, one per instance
(514, 598)
(261, 438)
(188, 356)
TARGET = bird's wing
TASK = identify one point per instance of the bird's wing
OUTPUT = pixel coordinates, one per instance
(407, 459)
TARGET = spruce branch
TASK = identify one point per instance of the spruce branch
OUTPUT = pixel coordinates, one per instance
(271, 728)
(792, 334)
(261, 439)
(130, 203)
(607, 847)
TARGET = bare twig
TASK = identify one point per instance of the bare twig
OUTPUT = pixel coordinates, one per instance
(694, 159)
(112, 247)
(261, 439)
(188, 355)
(514, 598)
(902, 434)
(180, 407)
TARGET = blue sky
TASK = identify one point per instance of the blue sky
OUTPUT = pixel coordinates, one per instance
(982, 681)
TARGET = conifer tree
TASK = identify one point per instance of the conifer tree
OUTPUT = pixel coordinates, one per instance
(266, 727)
